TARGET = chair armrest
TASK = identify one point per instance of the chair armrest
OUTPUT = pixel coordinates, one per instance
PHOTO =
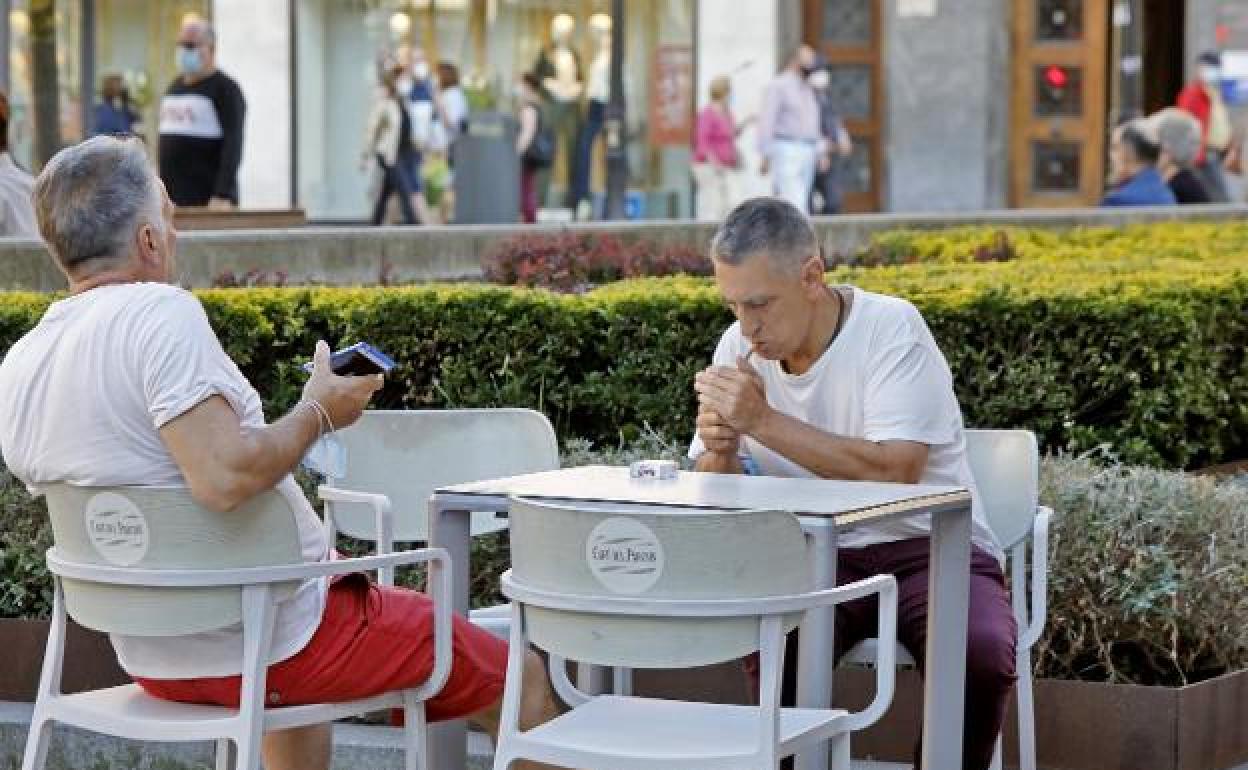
(1039, 578)
(383, 518)
(242, 576)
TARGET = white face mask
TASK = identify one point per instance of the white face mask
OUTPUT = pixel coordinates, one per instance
(1211, 76)
(420, 70)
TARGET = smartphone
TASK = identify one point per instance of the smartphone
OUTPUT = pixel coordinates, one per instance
(359, 359)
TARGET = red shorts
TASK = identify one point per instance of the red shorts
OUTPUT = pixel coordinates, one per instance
(372, 639)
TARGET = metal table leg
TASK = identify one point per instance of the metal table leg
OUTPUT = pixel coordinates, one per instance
(816, 653)
(450, 529)
(944, 687)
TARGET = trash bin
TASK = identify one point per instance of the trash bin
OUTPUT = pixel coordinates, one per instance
(487, 171)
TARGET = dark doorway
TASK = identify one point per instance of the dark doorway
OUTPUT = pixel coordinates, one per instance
(1163, 53)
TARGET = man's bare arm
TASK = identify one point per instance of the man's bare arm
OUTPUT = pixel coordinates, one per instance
(225, 463)
(837, 457)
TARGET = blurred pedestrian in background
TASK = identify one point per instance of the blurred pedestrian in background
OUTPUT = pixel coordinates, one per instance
(827, 197)
(716, 160)
(17, 210)
(789, 136)
(1178, 133)
(386, 139)
(114, 114)
(201, 125)
(1202, 98)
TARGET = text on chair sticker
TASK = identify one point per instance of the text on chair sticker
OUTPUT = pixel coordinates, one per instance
(116, 529)
(624, 555)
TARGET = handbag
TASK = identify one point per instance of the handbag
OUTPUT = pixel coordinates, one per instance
(541, 150)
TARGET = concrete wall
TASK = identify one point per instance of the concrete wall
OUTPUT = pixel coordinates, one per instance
(368, 256)
(253, 45)
(946, 86)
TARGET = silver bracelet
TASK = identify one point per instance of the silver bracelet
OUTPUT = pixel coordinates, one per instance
(322, 416)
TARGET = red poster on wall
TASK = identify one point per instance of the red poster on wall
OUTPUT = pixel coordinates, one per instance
(671, 95)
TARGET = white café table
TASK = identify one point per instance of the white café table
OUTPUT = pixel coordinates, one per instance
(823, 507)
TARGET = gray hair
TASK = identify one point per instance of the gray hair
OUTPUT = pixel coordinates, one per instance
(92, 197)
(207, 32)
(1179, 135)
(771, 227)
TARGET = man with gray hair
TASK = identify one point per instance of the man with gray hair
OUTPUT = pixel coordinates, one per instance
(124, 383)
(201, 125)
(1178, 133)
(818, 381)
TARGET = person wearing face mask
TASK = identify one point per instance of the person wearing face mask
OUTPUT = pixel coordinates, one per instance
(789, 137)
(1202, 98)
(836, 146)
(201, 125)
(420, 93)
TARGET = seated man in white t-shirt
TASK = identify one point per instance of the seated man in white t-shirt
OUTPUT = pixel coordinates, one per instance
(836, 382)
(123, 383)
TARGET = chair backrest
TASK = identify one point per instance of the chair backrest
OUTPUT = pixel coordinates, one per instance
(1005, 465)
(146, 528)
(594, 551)
(406, 455)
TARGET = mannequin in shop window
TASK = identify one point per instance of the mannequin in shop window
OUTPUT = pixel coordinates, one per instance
(598, 91)
(559, 68)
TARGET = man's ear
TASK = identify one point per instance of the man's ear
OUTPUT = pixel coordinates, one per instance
(812, 274)
(149, 253)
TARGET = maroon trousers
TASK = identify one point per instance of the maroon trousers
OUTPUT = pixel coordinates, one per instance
(991, 632)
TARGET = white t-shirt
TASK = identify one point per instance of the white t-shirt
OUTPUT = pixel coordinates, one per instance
(882, 379)
(82, 398)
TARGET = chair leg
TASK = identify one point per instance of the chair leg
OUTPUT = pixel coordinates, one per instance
(415, 734)
(37, 744)
(841, 757)
(225, 759)
(1026, 715)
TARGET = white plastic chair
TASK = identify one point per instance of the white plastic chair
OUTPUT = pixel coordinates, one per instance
(645, 587)
(1006, 468)
(150, 562)
(396, 459)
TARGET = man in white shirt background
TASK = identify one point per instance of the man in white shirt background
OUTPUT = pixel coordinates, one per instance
(17, 215)
(124, 383)
(836, 382)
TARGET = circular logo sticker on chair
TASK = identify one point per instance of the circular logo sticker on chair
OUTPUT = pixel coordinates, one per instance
(117, 529)
(624, 555)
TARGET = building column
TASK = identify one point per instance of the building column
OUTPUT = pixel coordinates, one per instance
(946, 89)
(254, 48)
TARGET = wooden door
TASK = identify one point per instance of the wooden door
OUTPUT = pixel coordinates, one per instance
(1058, 132)
(847, 33)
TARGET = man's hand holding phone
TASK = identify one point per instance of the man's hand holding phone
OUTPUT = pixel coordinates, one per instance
(342, 397)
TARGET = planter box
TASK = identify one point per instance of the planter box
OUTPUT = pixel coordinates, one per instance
(89, 659)
(1079, 725)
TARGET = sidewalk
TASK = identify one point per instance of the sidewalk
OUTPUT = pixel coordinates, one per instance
(355, 746)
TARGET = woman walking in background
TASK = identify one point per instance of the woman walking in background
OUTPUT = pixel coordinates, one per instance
(716, 163)
(386, 141)
(534, 146)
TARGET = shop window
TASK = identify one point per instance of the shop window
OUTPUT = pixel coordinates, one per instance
(850, 89)
(1059, 20)
(1055, 166)
(856, 171)
(847, 22)
(1059, 91)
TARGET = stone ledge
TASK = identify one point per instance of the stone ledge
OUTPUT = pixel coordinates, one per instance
(367, 256)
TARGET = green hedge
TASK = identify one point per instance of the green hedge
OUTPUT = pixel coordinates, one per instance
(1132, 339)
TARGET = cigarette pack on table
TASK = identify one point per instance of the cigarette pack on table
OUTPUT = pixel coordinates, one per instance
(659, 470)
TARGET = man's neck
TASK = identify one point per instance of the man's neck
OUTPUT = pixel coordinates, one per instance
(110, 277)
(199, 77)
(823, 327)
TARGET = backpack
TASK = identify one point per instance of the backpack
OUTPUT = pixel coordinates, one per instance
(541, 150)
